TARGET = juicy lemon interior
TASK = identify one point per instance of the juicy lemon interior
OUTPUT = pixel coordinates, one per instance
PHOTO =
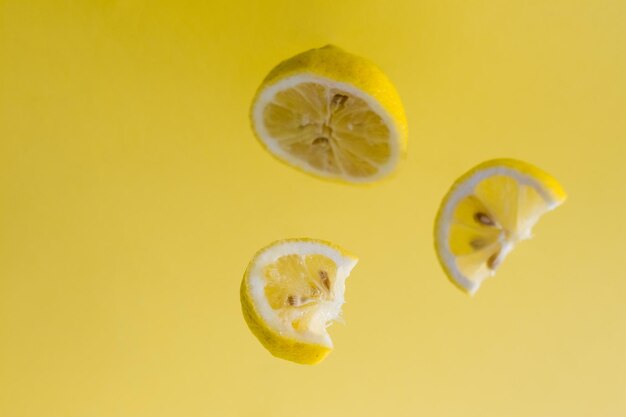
(328, 129)
(297, 288)
(487, 223)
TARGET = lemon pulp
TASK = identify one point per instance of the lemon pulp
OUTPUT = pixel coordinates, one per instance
(486, 226)
(329, 129)
(298, 287)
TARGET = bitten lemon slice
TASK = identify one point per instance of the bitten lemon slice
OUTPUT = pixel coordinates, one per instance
(486, 213)
(331, 114)
(291, 292)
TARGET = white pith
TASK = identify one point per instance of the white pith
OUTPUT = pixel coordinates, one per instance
(268, 95)
(331, 309)
(467, 188)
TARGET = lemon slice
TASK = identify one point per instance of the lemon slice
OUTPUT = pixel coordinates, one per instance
(331, 114)
(291, 292)
(486, 213)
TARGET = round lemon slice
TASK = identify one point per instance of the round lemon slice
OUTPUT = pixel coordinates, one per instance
(291, 292)
(486, 213)
(331, 114)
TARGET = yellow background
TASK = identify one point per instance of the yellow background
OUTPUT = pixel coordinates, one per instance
(133, 194)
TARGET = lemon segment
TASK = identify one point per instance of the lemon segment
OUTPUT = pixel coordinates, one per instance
(291, 292)
(487, 212)
(331, 114)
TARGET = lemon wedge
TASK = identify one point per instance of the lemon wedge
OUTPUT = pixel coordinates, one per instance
(331, 114)
(291, 292)
(486, 213)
